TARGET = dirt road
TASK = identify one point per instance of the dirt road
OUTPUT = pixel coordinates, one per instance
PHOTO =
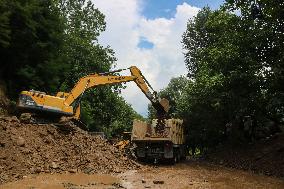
(181, 176)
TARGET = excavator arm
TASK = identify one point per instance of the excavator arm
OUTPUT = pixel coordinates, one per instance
(94, 80)
(161, 105)
(91, 81)
(69, 103)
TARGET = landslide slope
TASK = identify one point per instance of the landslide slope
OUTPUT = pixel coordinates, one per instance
(31, 148)
(264, 157)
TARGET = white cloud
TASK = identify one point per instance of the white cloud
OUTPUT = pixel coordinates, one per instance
(126, 25)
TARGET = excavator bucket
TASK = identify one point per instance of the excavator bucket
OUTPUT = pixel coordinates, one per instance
(165, 103)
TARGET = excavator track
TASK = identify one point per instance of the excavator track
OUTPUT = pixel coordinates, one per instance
(33, 118)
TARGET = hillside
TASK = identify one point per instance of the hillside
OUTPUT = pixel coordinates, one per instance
(264, 157)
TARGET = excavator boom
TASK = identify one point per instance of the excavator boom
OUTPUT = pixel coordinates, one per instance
(68, 104)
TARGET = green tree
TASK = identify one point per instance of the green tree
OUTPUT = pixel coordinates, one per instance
(31, 33)
(267, 45)
(172, 93)
(4, 25)
(234, 65)
(227, 83)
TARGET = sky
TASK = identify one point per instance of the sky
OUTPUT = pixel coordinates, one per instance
(148, 34)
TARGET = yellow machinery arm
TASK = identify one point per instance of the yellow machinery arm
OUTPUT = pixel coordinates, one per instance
(92, 81)
(67, 103)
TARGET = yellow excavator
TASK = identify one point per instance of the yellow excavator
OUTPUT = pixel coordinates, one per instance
(68, 104)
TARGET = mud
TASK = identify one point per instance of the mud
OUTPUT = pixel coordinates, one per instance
(186, 175)
(65, 181)
(197, 175)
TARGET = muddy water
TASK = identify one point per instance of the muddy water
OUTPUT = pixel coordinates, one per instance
(197, 175)
(181, 176)
(64, 181)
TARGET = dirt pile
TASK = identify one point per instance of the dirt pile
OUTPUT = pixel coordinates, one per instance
(265, 157)
(30, 148)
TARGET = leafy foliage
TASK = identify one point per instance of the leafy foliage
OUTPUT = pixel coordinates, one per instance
(267, 45)
(235, 73)
(4, 25)
(31, 37)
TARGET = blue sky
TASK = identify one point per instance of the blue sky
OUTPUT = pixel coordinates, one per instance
(145, 44)
(167, 8)
(152, 9)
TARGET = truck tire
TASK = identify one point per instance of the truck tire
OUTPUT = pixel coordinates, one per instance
(174, 160)
(171, 161)
(178, 156)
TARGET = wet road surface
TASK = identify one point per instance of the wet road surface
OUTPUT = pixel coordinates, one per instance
(185, 175)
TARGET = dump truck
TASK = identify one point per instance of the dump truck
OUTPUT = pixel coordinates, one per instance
(160, 140)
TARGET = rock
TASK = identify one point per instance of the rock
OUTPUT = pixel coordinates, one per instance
(117, 185)
(25, 117)
(72, 170)
(32, 170)
(16, 175)
(37, 170)
(54, 165)
(47, 141)
(158, 181)
(88, 170)
(14, 119)
(3, 156)
(143, 181)
(2, 144)
(20, 141)
(26, 151)
(4, 127)
(65, 120)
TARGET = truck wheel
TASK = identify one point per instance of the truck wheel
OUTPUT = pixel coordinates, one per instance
(141, 159)
(178, 157)
(173, 160)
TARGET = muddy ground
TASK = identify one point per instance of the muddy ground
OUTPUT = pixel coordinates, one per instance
(49, 156)
(188, 174)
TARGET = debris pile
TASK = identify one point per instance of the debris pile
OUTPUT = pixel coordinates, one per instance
(48, 148)
(265, 156)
